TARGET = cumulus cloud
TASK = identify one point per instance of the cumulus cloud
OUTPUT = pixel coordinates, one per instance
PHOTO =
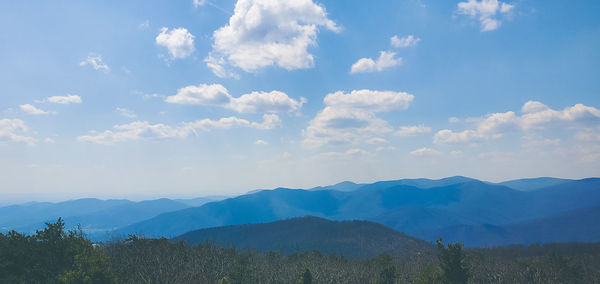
(263, 33)
(351, 117)
(68, 99)
(95, 60)
(535, 115)
(412, 130)
(217, 95)
(425, 152)
(386, 60)
(274, 101)
(139, 130)
(373, 101)
(261, 142)
(13, 130)
(179, 42)
(407, 41)
(30, 109)
(486, 11)
(203, 94)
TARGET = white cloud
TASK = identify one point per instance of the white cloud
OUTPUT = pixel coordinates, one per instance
(139, 130)
(425, 152)
(274, 101)
(412, 130)
(376, 140)
(263, 33)
(369, 100)
(179, 42)
(125, 112)
(217, 95)
(535, 115)
(261, 142)
(407, 41)
(203, 94)
(217, 65)
(13, 130)
(198, 3)
(449, 136)
(454, 119)
(386, 60)
(270, 121)
(30, 109)
(350, 117)
(486, 11)
(68, 99)
(95, 60)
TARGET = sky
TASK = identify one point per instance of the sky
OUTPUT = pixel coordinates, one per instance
(145, 99)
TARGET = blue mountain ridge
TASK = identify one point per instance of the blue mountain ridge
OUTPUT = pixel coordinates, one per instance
(406, 208)
(420, 207)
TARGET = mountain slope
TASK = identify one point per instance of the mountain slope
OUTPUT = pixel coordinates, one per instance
(405, 208)
(260, 207)
(349, 238)
(95, 215)
(580, 225)
(529, 184)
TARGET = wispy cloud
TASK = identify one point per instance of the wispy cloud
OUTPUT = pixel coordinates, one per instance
(95, 60)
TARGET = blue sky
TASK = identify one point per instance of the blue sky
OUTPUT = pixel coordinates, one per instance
(141, 99)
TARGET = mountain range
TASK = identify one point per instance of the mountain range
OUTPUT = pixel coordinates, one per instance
(475, 212)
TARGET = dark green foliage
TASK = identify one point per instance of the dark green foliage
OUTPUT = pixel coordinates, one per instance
(55, 256)
(306, 277)
(430, 275)
(52, 256)
(455, 269)
(350, 238)
(388, 275)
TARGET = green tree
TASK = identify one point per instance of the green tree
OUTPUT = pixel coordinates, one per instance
(305, 277)
(455, 269)
(90, 266)
(429, 275)
(388, 275)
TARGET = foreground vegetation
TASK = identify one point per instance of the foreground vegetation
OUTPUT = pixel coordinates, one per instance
(54, 255)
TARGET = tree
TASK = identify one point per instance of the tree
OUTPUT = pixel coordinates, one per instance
(455, 269)
(429, 275)
(388, 275)
(305, 277)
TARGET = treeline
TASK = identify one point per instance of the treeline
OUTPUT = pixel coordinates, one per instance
(54, 255)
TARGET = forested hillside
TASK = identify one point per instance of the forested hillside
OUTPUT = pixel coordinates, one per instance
(55, 256)
(348, 238)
